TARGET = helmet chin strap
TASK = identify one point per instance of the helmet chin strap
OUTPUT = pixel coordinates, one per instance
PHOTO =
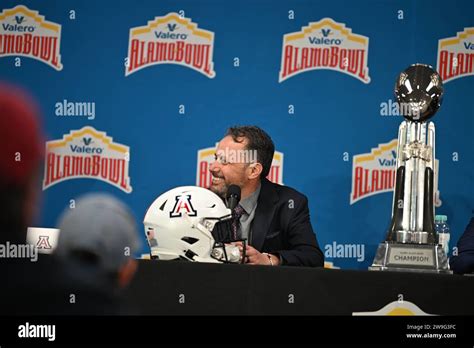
(229, 253)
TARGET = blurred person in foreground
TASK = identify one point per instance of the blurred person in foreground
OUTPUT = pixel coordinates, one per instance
(21, 156)
(32, 285)
(98, 239)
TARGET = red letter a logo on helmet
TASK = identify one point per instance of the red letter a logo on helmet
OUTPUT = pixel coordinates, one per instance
(183, 203)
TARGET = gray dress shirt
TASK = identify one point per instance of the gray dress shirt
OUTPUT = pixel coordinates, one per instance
(250, 206)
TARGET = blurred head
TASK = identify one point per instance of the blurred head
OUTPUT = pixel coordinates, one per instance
(100, 232)
(21, 155)
(243, 157)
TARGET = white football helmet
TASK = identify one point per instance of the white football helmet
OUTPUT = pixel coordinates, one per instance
(190, 223)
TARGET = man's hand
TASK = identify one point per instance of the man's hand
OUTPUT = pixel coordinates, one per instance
(255, 257)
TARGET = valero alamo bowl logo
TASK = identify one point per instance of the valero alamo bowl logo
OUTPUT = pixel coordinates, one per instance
(171, 39)
(325, 44)
(89, 154)
(26, 33)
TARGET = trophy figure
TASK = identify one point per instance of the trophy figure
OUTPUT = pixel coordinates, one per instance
(411, 243)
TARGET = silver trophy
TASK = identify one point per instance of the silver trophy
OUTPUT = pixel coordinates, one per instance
(411, 243)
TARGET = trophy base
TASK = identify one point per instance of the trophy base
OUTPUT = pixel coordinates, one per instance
(400, 257)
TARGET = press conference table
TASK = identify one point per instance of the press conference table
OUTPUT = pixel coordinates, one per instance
(185, 288)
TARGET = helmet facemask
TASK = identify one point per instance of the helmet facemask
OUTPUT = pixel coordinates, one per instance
(221, 230)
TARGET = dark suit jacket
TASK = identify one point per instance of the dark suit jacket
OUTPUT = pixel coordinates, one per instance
(282, 226)
(464, 261)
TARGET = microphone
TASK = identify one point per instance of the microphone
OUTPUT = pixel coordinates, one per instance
(233, 196)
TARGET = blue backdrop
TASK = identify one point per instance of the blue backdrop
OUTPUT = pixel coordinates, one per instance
(318, 119)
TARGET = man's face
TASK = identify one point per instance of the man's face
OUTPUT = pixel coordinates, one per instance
(225, 169)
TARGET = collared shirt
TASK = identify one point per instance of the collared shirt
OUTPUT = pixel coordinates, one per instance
(250, 206)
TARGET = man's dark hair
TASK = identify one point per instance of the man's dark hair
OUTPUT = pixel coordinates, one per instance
(257, 139)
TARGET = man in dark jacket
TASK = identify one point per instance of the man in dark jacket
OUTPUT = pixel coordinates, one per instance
(273, 218)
